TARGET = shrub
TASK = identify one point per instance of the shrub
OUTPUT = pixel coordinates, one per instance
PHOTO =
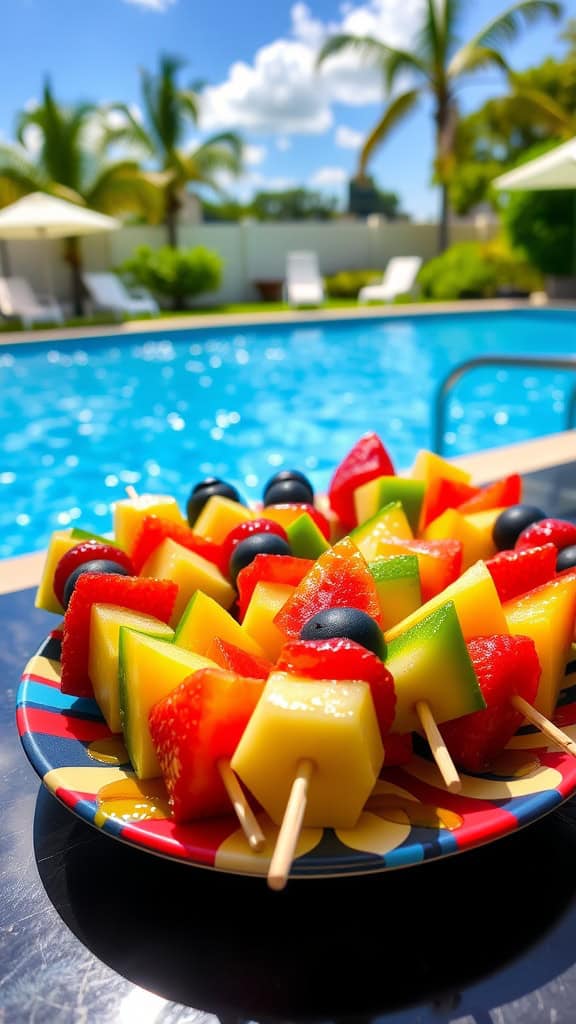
(347, 283)
(175, 274)
(541, 224)
(476, 270)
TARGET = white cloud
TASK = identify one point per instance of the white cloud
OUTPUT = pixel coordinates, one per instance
(283, 143)
(254, 155)
(282, 91)
(152, 5)
(328, 176)
(348, 138)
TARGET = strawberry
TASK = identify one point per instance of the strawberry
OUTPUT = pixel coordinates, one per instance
(340, 658)
(153, 597)
(233, 658)
(196, 725)
(441, 494)
(516, 572)
(559, 532)
(367, 460)
(504, 666)
(500, 494)
(154, 530)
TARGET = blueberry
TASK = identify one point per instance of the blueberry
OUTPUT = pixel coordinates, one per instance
(346, 622)
(566, 558)
(257, 544)
(282, 492)
(207, 489)
(99, 565)
(290, 475)
(511, 522)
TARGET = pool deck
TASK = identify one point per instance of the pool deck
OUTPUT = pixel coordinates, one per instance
(526, 457)
(199, 321)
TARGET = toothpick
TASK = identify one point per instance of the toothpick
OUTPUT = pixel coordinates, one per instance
(291, 827)
(132, 492)
(551, 731)
(244, 813)
(438, 748)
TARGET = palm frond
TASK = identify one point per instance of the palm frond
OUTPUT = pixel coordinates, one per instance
(472, 58)
(506, 27)
(395, 111)
(132, 132)
(373, 52)
(542, 104)
(123, 188)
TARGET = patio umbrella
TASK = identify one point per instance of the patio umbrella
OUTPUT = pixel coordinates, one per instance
(552, 171)
(41, 216)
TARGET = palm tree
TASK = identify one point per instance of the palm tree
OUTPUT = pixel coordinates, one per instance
(69, 165)
(168, 113)
(435, 65)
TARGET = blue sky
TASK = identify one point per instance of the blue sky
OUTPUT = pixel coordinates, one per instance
(257, 60)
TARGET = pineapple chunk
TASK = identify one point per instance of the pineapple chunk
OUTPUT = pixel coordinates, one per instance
(171, 561)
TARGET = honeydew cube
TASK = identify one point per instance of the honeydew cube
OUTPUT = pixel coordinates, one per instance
(192, 572)
(389, 522)
(129, 513)
(219, 516)
(397, 581)
(374, 495)
(149, 669)
(428, 466)
(204, 620)
(331, 723)
(265, 603)
(103, 652)
(474, 531)
(475, 599)
(430, 662)
(305, 539)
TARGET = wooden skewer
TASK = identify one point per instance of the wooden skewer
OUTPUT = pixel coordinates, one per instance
(438, 748)
(291, 826)
(551, 731)
(131, 492)
(244, 813)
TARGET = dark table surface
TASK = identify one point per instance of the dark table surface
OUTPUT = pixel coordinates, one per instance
(93, 931)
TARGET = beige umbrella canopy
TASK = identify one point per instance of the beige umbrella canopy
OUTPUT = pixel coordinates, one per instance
(553, 170)
(41, 216)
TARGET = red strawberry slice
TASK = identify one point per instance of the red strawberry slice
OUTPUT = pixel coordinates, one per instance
(367, 460)
(340, 578)
(154, 530)
(195, 726)
(269, 569)
(559, 532)
(340, 658)
(516, 572)
(86, 551)
(243, 530)
(398, 749)
(500, 494)
(504, 666)
(234, 659)
(151, 597)
(441, 494)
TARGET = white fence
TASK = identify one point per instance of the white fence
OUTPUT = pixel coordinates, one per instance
(250, 251)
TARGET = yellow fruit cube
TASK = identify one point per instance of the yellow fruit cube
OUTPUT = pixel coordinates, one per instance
(219, 516)
(60, 542)
(171, 561)
(204, 620)
(427, 466)
(103, 650)
(334, 725)
(265, 603)
(474, 531)
(129, 513)
(477, 604)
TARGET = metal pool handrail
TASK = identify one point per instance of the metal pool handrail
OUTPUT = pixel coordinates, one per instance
(542, 362)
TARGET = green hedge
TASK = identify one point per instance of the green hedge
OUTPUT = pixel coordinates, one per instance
(474, 270)
(347, 283)
(175, 274)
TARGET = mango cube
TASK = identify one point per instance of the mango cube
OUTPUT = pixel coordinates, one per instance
(171, 561)
(129, 513)
(265, 603)
(204, 620)
(331, 723)
(219, 516)
(474, 531)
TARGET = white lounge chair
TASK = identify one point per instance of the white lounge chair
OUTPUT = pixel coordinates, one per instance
(108, 292)
(17, 299)
(304, 285)
(399, 279)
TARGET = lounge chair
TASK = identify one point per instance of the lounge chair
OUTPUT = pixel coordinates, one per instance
(108, 292)
(303, 285)
(399, 279)
(18, 300)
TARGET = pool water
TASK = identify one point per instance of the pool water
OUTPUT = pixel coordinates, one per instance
(81, 420)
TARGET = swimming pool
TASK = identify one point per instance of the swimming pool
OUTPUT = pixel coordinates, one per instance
(82, 419)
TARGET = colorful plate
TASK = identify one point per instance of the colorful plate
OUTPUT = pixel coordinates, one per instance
(408, 819)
